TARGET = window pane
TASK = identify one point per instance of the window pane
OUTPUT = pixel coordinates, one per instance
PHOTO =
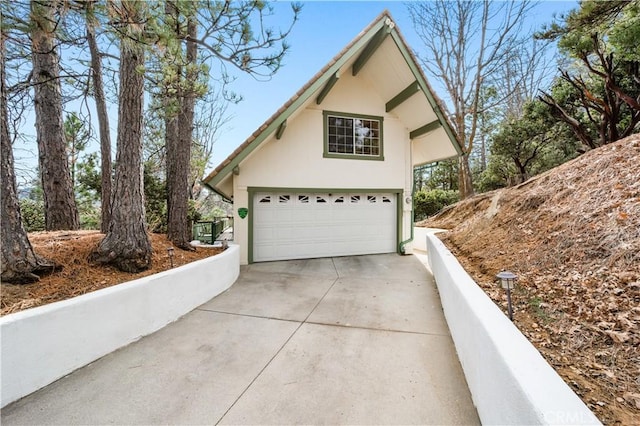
(357, 136)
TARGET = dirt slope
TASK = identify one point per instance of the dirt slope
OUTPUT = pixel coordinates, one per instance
(572, 235)
(71, 250)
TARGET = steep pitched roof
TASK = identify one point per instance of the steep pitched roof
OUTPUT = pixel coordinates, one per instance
(365, 40)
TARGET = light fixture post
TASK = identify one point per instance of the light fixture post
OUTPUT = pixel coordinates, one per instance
(170, 253)
(509, 304)
(507, 280)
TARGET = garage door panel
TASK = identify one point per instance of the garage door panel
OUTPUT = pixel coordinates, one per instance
(299, 225)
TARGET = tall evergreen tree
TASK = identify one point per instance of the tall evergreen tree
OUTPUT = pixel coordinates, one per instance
(103, 116)
(126, 244)
(599, 97)
(231, 33)
(60, 206)
(19, 263)
(179, 123)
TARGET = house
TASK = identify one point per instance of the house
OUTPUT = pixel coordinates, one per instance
(331, 172)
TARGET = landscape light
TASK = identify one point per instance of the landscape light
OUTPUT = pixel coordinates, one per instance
(508, 281)
(170, 253)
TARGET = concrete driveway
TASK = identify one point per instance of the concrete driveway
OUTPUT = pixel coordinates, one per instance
(348, 340)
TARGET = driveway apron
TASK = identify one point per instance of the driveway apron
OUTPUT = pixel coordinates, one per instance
(346, 340)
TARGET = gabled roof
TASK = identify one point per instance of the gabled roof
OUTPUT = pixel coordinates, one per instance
(357, 52)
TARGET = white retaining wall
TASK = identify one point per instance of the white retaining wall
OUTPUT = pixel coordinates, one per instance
(510, 382)
(43, 344)
(420, 237)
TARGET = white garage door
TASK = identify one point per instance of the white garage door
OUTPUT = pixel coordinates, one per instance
(309, 225)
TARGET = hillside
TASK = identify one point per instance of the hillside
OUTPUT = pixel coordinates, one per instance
(71, 249)
(572, 235)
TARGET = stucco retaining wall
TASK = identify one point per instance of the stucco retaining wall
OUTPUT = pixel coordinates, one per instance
(420, 237)
(510, 382)
(43, 344)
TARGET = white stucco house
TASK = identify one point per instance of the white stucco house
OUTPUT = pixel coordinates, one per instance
(331, 172)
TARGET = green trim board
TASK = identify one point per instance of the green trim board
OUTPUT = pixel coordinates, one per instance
(425, 129)
(371, 48)
(399, 215)
(409, 91)
(327, 87)
(321, 81)
(322, 190)
(252, 190)
(325, 140)
(250, 193)
(224, 196)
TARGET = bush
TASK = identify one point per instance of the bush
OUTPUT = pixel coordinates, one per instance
(32, 215)
(428, 203)
(90, 217)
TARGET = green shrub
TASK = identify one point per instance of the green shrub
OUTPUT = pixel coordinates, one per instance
(32, 214)
(428, 203)
(90, 217)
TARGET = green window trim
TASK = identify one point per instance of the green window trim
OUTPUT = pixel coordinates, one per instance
(372, 140)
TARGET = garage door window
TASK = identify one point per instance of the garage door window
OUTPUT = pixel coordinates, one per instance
(352, 136)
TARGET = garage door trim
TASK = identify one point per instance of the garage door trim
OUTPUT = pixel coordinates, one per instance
(252, 190)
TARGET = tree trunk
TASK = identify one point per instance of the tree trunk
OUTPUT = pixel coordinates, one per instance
(465, 184)
(60, 209)
(522, 171)
(483, 152)
(103, 121)
(126, 244)
(179, 152)
(20, 265)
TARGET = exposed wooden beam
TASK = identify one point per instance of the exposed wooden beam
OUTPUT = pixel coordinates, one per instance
(236, 170)
(280, 130)
(370, 49)
(327, 87)
(409, 91)
(424, 129)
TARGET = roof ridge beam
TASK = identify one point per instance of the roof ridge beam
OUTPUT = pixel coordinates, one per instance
(425, 129)
(327, 87)
(371, 47)
(409, 91)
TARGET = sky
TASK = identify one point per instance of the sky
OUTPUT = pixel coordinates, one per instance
(323, 29)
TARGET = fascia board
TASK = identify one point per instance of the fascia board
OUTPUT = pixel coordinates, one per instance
(224, 196)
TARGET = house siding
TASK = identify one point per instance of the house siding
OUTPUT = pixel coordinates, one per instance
(296, 160)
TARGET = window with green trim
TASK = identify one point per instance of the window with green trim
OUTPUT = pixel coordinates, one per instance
(353, 135)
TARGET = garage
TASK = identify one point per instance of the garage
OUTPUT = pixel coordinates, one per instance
(331, 172)
(306, 225)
